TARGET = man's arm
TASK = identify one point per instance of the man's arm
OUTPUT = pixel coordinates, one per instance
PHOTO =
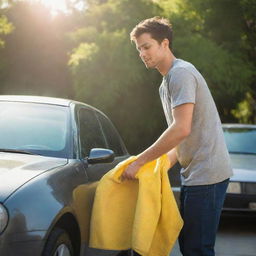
(170, 138)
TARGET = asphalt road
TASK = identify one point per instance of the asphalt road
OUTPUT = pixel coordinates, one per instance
(236, 237)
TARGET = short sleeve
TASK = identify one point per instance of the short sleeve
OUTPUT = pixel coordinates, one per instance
(182, 87)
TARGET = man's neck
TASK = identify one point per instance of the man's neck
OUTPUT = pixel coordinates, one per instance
(166, 64)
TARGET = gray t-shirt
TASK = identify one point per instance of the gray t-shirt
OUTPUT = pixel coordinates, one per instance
(202, 155)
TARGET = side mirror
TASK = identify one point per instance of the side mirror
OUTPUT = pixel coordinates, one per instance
(100, 155)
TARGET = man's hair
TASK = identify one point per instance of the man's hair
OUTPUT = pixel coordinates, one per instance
(159, 29)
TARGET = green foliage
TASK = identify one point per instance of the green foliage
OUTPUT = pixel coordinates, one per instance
(88, 54)
(228, 76)
(34, 60)
(246, 110)
(85, 51)
(108, 73)
(5, 28)
(216, 36)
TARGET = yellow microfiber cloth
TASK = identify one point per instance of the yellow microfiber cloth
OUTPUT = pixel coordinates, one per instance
(140, 214)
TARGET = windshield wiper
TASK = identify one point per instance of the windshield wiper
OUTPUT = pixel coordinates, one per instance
(244, 153)
(16, 151)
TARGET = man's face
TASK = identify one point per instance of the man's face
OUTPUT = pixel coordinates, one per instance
(150, 51)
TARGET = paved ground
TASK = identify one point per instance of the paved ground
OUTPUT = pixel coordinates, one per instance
(236, 237)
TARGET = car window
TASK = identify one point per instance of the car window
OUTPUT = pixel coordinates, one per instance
(240, 140)
(91, 135)
(33, 127)
(113, 139)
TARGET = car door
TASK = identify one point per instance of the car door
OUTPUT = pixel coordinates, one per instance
(95, 130)
(113, 139)
(91, 135)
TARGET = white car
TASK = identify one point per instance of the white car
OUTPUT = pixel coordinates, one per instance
(241, 143)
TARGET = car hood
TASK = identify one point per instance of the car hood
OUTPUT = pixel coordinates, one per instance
(244, 167)
(17, 169)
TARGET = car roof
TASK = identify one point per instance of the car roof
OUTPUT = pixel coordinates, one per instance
(250, 126)
(46, 100)
(39, 99)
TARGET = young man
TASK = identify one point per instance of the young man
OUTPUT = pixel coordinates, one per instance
(194, 137)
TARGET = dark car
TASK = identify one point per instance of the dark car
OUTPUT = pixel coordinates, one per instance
(52, 154)
(241, 193)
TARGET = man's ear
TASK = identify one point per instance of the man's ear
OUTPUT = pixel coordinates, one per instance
(165, 43)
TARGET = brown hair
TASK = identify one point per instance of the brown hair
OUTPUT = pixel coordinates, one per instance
(159, 29)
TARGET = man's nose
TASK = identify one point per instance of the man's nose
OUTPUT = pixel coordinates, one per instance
(142, 54)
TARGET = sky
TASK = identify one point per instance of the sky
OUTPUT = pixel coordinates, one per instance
(57, 6)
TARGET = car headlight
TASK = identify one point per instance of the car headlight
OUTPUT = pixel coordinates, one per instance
(234, 188)
(3, 218)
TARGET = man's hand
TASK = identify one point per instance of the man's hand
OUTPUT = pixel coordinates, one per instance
(131, 171)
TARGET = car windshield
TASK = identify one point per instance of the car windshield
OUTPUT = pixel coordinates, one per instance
(240, 140)
(34, 128)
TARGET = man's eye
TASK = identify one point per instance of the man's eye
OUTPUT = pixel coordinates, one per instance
(143, 48)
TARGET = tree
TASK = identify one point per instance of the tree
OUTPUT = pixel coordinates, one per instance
(5, 28)
(108, 74)
(35, 56)
(211, 34)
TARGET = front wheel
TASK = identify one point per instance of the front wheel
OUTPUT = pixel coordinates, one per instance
(58, 244)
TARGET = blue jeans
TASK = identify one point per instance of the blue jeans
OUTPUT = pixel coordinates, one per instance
(200, 209)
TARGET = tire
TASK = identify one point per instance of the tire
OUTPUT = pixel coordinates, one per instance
(58, 244)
